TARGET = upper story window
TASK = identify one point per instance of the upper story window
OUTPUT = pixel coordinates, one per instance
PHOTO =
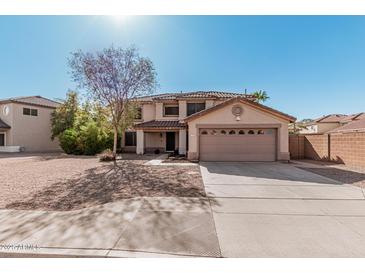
(194, 107)
(171, 110)
(34, 112)
(30, 111)
(138, 115)
(26, 111)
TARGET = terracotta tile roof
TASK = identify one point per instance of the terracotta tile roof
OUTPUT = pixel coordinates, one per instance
(32, 100)
(3, 124)
(160, 124)
(348, 118)
(339, 118)
(194, 94)
(332, 118)
(359, 116)
(245, 101)
(356, 125)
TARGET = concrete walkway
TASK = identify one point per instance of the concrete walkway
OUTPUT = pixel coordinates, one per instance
(277, 210)
(159, 161)
(141, 227)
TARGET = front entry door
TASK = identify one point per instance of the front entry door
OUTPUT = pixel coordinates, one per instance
(170, 141)
(2, 139)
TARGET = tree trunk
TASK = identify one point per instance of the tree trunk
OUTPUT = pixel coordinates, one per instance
(115, 141)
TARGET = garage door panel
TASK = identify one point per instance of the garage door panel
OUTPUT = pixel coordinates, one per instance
(237, 150)
(215, 146)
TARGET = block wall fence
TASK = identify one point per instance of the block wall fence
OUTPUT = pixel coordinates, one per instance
(346, 148)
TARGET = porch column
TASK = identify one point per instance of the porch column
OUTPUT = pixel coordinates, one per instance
(140, 142)
(182, 141)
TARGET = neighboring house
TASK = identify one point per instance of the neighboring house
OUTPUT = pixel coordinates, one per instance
(25, 124)
(356, 123)
(210, 126)
(329, 123)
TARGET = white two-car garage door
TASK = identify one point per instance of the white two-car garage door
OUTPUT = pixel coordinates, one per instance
(229, 144)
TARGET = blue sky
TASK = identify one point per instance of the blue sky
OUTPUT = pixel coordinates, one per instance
(309, 65)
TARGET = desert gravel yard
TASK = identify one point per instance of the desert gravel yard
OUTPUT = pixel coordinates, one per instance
(60, 182)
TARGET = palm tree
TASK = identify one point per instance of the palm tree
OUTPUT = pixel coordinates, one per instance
(261, 96)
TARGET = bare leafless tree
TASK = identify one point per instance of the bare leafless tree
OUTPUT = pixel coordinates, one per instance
(113, 77)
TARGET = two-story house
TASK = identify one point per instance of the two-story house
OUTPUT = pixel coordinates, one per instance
(210, 126)
(25, 124)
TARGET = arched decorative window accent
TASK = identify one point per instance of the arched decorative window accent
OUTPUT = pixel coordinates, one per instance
(251, 132)
(223, 132)
(232, 132)
(241, 132)
(260, 131)
(213, 132)
(204, 132)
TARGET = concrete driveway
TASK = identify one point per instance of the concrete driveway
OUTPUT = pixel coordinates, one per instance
(278, 210)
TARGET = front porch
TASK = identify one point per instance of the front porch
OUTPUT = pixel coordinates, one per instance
(5, 140)
(161, 141)
(161, 136)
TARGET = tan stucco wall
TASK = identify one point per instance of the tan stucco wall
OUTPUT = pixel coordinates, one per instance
(148, 112)
(182, 109)
(209, 103)
(31, 132)
(319, 128)
(250, 116)
(309, 129)
(324, 127)
(158, 140)
(154, 111)
(217, 102)
(155, 140)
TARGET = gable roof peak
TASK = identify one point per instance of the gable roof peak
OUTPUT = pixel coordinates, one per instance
(244, 101)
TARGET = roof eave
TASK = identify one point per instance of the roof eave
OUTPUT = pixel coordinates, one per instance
(25, 103)
(244, 101)
(160, 128)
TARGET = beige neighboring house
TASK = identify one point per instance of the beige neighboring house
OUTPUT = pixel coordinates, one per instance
(210, 126)
(25, 124)
(353, 123)
(330, 123)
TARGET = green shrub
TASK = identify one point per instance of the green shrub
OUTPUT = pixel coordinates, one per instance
(88, 140)
(92, 139)
(69, 141)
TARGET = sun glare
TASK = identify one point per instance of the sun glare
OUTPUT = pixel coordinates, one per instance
(120, 18)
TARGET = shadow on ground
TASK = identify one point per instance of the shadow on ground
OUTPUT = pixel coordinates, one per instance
(113, 182)
(288, 172)
(180, 226)
(341, 175)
